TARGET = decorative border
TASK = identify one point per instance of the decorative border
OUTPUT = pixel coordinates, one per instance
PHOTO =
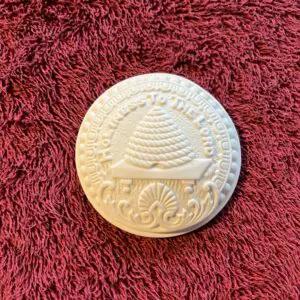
(124, 89)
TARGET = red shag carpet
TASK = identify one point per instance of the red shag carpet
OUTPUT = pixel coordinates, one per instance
(56, 57)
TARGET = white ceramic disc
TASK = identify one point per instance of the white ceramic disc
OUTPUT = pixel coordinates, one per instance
(157, 155)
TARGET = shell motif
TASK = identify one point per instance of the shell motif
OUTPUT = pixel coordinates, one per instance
(157, 195)
(158, 142)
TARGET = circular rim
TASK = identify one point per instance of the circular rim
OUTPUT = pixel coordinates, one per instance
(234, 138)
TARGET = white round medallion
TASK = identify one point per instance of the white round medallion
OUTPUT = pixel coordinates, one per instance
(157, 155)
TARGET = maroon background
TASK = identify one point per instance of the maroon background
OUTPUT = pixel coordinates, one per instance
(56, 57)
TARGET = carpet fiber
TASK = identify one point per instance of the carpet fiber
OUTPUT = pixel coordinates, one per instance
(56, 58)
